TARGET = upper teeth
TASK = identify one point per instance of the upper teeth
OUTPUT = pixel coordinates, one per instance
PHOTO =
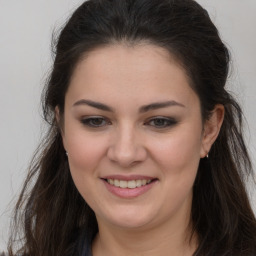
(128, 184)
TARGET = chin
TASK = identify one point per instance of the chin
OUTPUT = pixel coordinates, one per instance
(130, 220)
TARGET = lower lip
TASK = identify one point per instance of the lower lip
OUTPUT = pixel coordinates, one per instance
(129, 192)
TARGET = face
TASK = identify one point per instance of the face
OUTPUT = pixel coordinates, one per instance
(134, 136)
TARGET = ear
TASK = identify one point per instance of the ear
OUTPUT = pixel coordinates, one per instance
(211, 129)
(60, 124)
(57, 115)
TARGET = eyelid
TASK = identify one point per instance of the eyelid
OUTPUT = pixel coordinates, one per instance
(88, 122)
(171, 121)
(85, 120)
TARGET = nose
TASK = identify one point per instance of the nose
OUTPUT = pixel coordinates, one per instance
(126, 148)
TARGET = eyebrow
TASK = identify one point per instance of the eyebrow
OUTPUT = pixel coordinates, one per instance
(142, 109)
(94, 104)
(158, 105)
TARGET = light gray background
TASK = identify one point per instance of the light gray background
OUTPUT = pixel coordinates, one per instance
(25, 59)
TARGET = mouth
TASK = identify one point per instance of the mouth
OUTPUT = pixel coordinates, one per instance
(129, 187)
(131, 184)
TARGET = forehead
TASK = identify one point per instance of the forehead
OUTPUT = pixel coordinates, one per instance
(130, 72)
(135, 59)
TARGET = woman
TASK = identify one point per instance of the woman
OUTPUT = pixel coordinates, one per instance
(145, 154)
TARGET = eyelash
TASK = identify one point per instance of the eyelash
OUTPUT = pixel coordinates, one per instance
(88, 121)
(164, 122)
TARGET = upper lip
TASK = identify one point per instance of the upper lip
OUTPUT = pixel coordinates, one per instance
(128, 177)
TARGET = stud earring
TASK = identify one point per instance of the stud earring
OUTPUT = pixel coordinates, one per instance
(67, 153)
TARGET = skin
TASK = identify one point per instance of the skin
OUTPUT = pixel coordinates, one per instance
(128, 141)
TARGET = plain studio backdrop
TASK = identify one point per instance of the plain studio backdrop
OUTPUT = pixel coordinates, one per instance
(25, 59)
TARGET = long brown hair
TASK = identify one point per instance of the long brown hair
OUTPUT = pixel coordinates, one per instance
(50, 211)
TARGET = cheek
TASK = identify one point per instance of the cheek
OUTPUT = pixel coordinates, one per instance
(181, 147)
(178, 157)
(179, 152)
(85, 151)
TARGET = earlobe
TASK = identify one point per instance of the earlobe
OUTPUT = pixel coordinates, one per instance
(211, 129)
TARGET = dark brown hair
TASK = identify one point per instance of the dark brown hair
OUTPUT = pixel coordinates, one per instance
(50, 211)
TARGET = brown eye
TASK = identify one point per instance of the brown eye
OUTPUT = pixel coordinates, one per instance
(161, 122)
(95, 122)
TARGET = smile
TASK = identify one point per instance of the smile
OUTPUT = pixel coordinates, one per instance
(129, 187)
(128, 184)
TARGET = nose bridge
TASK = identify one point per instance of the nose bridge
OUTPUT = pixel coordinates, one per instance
(126, 147)
(125, 142)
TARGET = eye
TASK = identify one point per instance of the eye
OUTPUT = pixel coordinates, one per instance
(161, 122)
(95, 122)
